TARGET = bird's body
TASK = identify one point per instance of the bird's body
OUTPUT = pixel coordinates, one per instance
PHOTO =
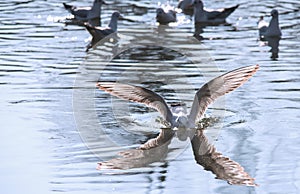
(85, 13)
(204, 96)
(99, 33)
(164, 18)
(272, 29)
(211, 17)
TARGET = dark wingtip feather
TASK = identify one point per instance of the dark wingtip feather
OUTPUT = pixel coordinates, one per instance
(67, 6)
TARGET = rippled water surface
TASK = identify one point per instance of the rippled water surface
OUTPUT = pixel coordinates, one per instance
(56, 125)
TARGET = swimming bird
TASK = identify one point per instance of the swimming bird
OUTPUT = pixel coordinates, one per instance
(85, 13)
(99, 33)
(206, 95)
(165, 18)
(211, 17)
(272, 29)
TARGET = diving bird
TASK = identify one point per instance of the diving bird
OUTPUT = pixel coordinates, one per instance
(99, 33)
(272, 29)
(211, 17)
(206, 95)
(85, 13)
(165, 18)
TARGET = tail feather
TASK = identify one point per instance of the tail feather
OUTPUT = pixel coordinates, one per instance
(221, 14)
(90, 28)
(228, 11)
(67, 7)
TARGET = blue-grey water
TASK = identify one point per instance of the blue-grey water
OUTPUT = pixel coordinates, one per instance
(47, 90)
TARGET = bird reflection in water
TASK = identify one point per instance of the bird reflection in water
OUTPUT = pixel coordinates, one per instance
(198, 31)
(205, 154)
(272, 42)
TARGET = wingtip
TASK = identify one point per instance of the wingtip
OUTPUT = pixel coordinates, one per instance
(99, 166)
(67, 6)
(106, 86)
(98, 84)
(257, 67)
(253, 68)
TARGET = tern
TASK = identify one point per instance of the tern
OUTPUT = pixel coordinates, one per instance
(206, 95)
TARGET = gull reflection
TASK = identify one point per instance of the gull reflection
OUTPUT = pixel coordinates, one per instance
(205, 154)
(272, 42)
(154, 150)
(198, 31)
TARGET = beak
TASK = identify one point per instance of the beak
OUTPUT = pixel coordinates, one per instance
(126, 19)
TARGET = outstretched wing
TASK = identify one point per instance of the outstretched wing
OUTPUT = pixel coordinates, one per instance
(138, 94)
(217, 87)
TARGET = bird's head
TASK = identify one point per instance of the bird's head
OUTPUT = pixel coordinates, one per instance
(178, 108)
(99, 1)
(159, 11)
(198, 4)
(117, 15)
(274, 13)
(182, 122)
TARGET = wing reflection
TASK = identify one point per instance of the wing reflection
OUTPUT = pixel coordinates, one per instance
(273, 42)
(156, 149)
(223, 167)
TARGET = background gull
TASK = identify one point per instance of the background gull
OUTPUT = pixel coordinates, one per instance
(272, 29)
(207, 94)
(86, 14)
(164, 18)
(99, 33)
(211, 17)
